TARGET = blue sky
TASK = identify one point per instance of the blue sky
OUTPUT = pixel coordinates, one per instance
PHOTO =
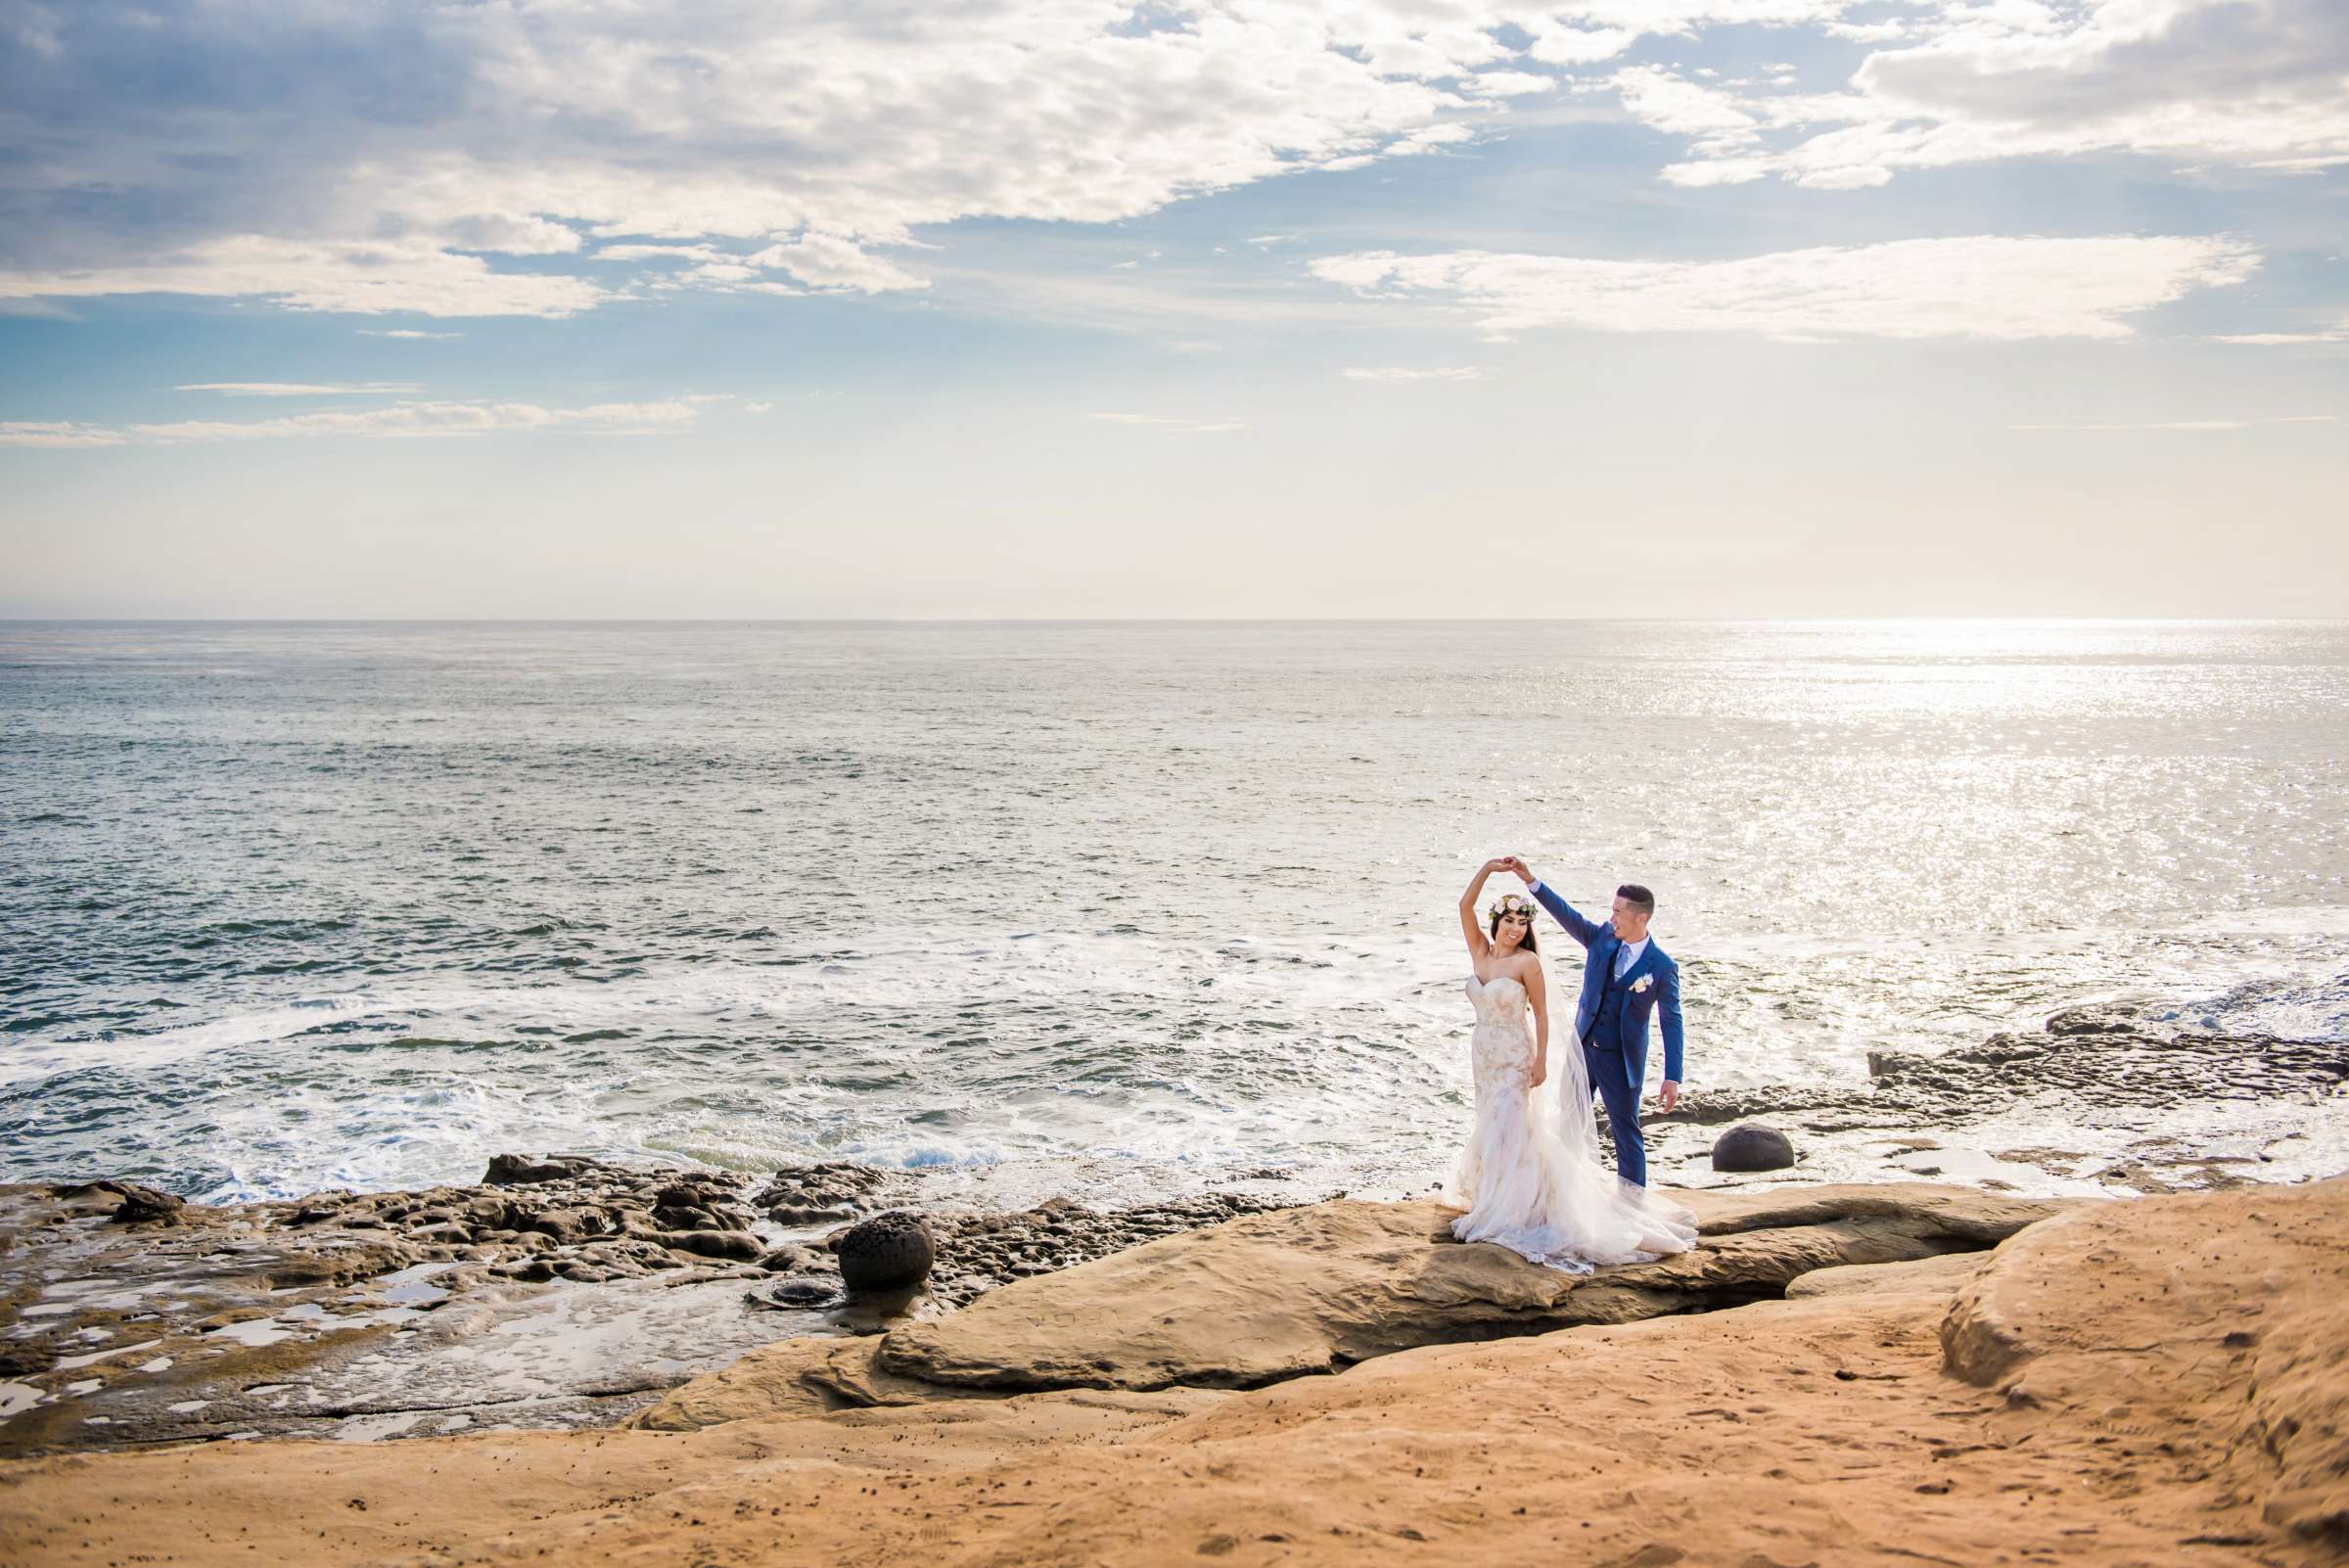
(1735, 307)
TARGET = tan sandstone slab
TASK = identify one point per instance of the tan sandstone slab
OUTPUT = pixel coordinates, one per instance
(2121, 1430)
(2220, 1322)
(1921, 1276)
(1316, 1288)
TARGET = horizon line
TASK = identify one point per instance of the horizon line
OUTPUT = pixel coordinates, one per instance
(1148, 621)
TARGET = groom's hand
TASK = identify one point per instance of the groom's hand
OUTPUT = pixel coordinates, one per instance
(1517, 864)
(1668, 1095)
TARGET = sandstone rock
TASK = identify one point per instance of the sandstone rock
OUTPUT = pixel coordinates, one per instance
(24, 1360)
(887, 1252)
(142, 1205)
(1313, 1289)
(2215, 1320)
(520, 1170)
(101, 1187)
(831, 1189)
(564, 1225)
(1923, 1276)
(794, 1259)
(2181, 1404)
(717, 1243)
(976, 1250)
(1751, 1146)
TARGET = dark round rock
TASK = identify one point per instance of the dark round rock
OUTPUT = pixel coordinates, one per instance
(887, 1252)
(1751, 1146)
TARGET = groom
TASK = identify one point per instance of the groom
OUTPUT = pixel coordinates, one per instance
(1625, 977)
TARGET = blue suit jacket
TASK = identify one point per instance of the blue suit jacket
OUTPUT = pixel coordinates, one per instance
(1664, 996)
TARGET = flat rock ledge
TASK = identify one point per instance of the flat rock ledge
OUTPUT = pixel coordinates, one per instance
(1315, 1289)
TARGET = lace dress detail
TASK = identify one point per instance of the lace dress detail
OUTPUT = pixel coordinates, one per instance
(1531, 1177)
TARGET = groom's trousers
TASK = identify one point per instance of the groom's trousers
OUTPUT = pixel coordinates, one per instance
(1611, 1077)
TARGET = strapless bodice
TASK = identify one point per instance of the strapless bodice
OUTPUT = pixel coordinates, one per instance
(1496, 1001)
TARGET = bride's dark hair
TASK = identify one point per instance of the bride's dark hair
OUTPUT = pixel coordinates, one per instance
(1499, 915)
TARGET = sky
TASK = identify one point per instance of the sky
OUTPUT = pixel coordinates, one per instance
(972, 309)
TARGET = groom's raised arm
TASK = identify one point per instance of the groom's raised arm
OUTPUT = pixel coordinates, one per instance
(1566, 914)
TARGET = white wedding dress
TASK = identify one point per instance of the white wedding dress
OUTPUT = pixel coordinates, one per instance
(1531, 1177)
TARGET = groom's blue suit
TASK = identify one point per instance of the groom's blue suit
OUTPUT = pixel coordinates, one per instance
(1610, 1019)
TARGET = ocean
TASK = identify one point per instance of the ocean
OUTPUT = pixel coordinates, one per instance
(1104, 909)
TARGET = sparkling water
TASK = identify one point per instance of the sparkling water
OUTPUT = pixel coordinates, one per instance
(1088, 908)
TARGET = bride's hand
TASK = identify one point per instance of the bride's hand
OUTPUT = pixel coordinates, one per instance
(1539, 1076)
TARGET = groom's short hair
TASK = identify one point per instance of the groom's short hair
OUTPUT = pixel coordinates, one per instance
(1637, 896)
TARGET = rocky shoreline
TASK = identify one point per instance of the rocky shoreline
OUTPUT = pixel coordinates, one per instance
(563, 1291)
(1889, 1373)
(2093, 1087)
(131, 1317)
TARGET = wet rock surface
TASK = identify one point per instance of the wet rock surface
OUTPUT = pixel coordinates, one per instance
(128, 1316)
(560, 1291)
(830, 1190)
(2104, 1068)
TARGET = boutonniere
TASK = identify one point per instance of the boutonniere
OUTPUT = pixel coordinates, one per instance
(1641, 985)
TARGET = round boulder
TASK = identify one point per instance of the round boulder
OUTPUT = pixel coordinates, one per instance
(887, 1252)
(1751, 1146)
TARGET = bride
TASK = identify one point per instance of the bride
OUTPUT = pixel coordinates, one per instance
(1531, 1177)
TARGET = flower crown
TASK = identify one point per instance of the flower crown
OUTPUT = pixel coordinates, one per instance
(1509, 904)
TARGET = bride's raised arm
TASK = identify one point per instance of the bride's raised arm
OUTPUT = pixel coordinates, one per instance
(1478, 947)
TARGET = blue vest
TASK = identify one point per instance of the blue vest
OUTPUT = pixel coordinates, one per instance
(1606, 1024)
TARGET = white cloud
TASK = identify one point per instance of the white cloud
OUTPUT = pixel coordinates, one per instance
(2339, 334)
(649, 252)
(1985, 286)
(1191, 425)
(836, 261)
(2188, 424)
(793, 146)
(1556, 45)
(407, 419)
(61, 434)
(796, 135)
(1685, 108)
(404, 332)
(1511, 84)
(297, 388)
(2257, 84)
(364, 276)
(1394, 373)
